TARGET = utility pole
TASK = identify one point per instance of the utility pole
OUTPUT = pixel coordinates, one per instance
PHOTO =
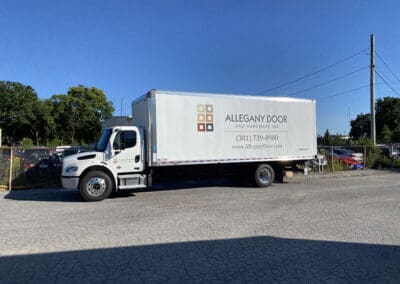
(372, 90)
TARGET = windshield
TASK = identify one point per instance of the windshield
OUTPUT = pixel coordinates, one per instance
(102, 144)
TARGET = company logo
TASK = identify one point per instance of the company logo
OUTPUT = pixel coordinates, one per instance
(205, 118)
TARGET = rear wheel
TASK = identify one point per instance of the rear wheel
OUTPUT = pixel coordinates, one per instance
(95, 186)
(264, 175)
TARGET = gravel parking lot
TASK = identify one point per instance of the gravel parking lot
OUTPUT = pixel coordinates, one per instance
(331, 229)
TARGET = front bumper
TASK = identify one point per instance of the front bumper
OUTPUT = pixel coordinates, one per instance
(70, 182)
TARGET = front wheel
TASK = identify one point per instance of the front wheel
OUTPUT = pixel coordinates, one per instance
(264, 175)
(95, 186)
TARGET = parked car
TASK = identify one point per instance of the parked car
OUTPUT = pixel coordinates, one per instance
(345, 153)
(72, 151)
(5, 154)
(388, 151)
(53, 161)
(31, 157)
(349, 158)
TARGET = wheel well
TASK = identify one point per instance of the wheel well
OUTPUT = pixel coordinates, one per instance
(98, 168)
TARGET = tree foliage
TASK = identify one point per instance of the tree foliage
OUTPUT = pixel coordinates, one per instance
(327, 138)
(79, 114)
(70, 118)
(361, 126)
(18, 109)
(331, 140)
(386, 134)
(387, 117)
(387, 113)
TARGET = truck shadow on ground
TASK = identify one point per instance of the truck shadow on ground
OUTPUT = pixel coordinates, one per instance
(56, 195)
(254, 259)
(208, 182)
(67, 195)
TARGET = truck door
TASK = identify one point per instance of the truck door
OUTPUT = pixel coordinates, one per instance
(127, 153)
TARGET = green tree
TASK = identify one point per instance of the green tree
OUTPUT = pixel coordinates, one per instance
(338, 140)
(327, 139)
(79, 114)
(43, 126)
(361, 126)
(62, 115)
(396, 134)
(18, 109)
(386, 135)
(387, 113)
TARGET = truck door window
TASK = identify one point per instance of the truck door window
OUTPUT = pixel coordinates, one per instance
(117, 141)
(129, 139)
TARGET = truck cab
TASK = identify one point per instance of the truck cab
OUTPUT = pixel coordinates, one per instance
(117, 163)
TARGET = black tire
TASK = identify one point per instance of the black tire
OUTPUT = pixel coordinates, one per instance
(279, 173)
(264, 175)
(95, 186)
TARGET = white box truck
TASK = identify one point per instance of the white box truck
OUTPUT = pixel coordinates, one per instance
(181, 133)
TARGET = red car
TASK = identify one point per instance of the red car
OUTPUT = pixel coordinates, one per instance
(348, 161)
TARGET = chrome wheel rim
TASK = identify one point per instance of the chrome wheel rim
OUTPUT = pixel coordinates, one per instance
(265, 175)
(96, 186)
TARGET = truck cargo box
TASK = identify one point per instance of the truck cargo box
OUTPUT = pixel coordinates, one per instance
(198, 128)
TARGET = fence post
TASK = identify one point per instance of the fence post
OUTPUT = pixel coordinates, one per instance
(11, 167)
(365, 156)
(333, 168)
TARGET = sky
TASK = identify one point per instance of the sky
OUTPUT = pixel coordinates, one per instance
(127, 47)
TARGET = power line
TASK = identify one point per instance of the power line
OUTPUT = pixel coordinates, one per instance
(327, 82)
(344, 93)
(347, 92)
(383, 79)
(311, 74)
(384, 63)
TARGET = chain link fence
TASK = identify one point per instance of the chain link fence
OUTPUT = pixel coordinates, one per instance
(5, 160)
(29, 168)
(33, 167)
(344, 158)
(335, 158)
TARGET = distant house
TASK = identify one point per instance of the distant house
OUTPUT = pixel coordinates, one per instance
(117, 120)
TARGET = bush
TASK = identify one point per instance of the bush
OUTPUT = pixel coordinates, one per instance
(385, 162)
(27, 143)
(54, 143)
(373, 155)
(337, 165)
(396, 163)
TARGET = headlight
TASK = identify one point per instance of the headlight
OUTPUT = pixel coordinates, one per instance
(71, 169)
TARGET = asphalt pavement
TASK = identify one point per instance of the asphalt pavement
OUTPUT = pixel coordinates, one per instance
(308, 229)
